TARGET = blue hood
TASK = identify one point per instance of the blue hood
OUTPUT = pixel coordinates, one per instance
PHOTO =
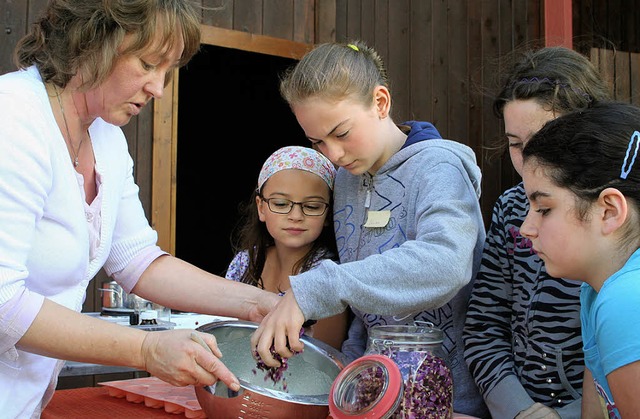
(420, 131)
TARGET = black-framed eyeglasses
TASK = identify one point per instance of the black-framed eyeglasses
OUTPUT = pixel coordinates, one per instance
(284, 206)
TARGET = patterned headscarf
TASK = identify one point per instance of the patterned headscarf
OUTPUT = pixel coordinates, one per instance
(296, 157)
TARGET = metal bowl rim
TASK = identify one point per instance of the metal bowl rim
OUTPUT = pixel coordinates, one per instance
(322, 399)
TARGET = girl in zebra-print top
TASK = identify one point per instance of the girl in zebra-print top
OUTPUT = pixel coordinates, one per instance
(522, 334)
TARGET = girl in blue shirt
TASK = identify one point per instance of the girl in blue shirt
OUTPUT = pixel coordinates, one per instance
(583, 182)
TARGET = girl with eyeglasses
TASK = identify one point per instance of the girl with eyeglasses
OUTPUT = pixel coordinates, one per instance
(287, 228)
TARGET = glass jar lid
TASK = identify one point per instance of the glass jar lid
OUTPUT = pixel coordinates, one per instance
(418, 333)
(370, 387)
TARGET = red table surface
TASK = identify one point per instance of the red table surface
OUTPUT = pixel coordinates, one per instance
(95, 403)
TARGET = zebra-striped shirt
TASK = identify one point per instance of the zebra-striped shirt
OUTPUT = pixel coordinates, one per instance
(522, 322)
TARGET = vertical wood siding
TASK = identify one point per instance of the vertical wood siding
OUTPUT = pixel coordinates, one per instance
(286, 19)
(609, 24)
(621, 69)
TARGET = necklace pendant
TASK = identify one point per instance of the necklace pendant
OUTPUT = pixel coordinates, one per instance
(68, 140)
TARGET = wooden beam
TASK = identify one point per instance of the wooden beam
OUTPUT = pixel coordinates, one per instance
(558, 29)
(246, 41)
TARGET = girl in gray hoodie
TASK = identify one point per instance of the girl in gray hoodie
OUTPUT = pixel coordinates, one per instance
(407, 219)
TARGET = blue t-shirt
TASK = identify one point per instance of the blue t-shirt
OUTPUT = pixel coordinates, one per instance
(611, 327)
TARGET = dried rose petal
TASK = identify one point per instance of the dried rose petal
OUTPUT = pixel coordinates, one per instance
(428, 386)
(368, 388)
(275, 374)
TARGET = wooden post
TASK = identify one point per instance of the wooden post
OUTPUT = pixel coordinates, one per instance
(163, 190)
(558, 29)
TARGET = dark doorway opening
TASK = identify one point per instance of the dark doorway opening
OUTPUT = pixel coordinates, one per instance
(230, 114)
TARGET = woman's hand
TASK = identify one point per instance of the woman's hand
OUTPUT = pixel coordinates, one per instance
(175, 358)
(280, 329)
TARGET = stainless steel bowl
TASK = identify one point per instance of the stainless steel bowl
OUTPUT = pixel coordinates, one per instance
(308, 378)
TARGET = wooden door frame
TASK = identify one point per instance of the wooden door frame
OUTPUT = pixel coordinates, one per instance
(165, 125)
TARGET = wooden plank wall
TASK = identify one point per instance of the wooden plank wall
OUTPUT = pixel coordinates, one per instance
(442, 57)
(621, 69)
(293, 20)
(15, 18)
(611, 24)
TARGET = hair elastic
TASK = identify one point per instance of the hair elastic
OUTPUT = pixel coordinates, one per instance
(353, 47)
(635, 138)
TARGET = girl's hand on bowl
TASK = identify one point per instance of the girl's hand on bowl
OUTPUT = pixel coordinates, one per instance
(280, 329)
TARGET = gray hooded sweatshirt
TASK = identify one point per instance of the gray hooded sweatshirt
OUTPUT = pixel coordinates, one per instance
(419, 265)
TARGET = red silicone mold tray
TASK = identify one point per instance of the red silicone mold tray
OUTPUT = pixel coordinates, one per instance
(157, 394)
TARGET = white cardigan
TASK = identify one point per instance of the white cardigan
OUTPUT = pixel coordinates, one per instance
(44, 238)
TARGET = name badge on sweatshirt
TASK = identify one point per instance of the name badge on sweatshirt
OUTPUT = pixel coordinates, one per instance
(377, 218)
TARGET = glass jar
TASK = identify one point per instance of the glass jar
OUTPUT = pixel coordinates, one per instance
(418, 353)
